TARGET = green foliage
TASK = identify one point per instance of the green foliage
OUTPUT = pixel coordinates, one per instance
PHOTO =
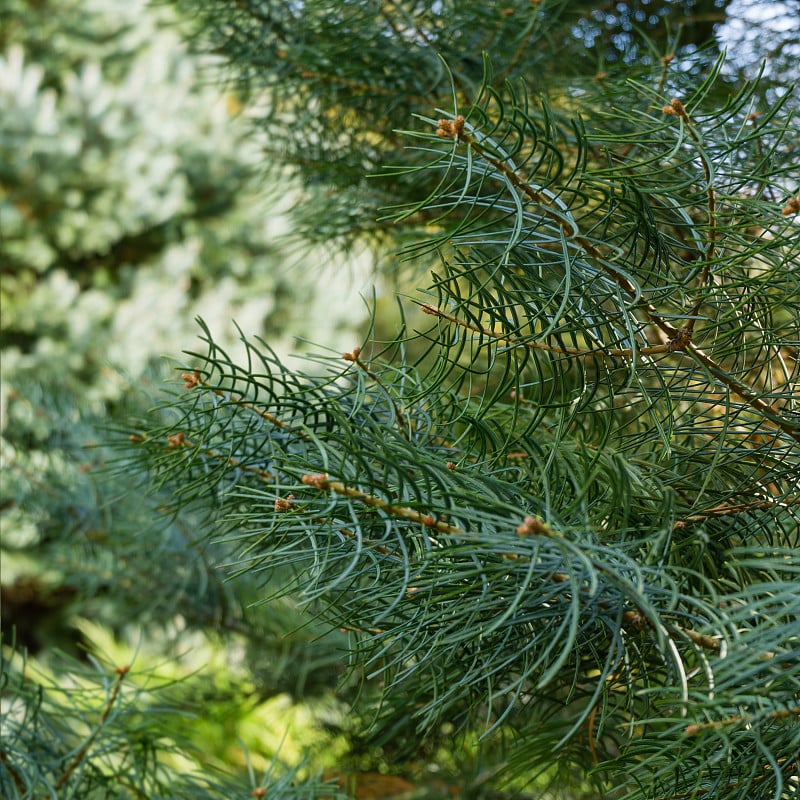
(564, 515)
(544, 536)
(128, 203)
(128, 199)
(114, 732)
(332, 84)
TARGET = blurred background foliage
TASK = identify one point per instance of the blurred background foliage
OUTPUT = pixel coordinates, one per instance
(131, 201)
(136, 194)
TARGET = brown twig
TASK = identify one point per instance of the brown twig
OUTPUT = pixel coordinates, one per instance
(747, 393)
(15, 776)
(320, 481)
(735, 719)
(676, 108)
(610, 352)
(355, 358)
(457, 129)
(530, 526)
(728, 509)
(81, 754)
(192, 379)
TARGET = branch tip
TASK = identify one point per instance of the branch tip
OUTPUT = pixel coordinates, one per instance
(284, 503)
(450, 129)
(191, 379)
(792, 206)
(533, 525)
(319, 480)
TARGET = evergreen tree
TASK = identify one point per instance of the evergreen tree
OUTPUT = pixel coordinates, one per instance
(558, 512)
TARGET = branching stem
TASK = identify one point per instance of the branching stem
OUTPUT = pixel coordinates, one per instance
(727, 509)
(679, 339)
(81, 754)
(192, 379)
(560, 349)
(574, 234)
(530, 526)
(735, 719)
(320, 481)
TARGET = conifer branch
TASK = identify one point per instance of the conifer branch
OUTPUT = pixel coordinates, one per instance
(771, 414)
(676, 108)
(731, 509)
(562, 251)
(192, 379)
(530, 526)
(320, 481)
(680, 340)
(457, 129)
(176, 440)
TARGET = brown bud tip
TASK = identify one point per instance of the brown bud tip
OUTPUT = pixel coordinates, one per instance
(692, 730)
(190, 379)
(177, 439)
(284, 503)
(260, 792)
(450, 129)
(508, 12)
(531, 525)
(451, 465)
(668, 110)
(668, 59)
(429, 521)
(319, 480)
(792, 206)
(123, 670)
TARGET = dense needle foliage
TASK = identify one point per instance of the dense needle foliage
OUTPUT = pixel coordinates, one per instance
(565, 511)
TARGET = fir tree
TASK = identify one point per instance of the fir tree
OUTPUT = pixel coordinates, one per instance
(558, 511)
